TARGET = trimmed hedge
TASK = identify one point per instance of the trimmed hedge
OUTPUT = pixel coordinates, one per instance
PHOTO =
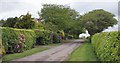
(107, 46)
(11, 38)
(18, 40)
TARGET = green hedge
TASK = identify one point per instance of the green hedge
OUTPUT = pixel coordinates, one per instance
(46, 37)
(42, 37)
(107, 46)
(10, 38)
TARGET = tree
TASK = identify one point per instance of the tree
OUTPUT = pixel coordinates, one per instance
(10, 22)
(51, 27)
(76, 29)
(57, 14)
(25, 22)
(97, 20)
(61, 17)
(2, 22)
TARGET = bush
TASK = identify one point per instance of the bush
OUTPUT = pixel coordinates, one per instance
(106, 46)
(18, 40)
(12, 40)
(46, 37)
(43, 37)
(56, 38)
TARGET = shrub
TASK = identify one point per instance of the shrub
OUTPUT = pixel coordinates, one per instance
(11, 39)
(56, 38)
(45, 37)
(106, 46)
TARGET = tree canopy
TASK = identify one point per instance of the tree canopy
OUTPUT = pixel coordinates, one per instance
(97, 20)
(10, 22)
(64, 18)
(25, 22)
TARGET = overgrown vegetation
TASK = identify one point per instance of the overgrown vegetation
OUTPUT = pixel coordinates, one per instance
(107, 46)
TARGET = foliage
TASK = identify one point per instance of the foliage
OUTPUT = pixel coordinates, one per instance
(39, 26)
(56, 38)
(2, 22)
(59, 17)
(97, 20)
(2, 50)
(42, 37)
(51, 27)
(10, 22)
(25, 22)
(75, 29)
(10, 39)
(107, 46)
(57, 14)
(46, 37)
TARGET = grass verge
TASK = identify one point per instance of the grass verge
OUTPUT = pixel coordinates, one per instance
(83, 53)
(24, 54)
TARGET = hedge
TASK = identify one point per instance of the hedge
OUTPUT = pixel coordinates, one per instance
(12, 37)
(18, 40)
(46, 37)
(107, 46)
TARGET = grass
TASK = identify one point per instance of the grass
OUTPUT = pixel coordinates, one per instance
(24, 54)
(83, 53)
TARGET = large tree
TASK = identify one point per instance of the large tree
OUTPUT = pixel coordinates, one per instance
(64, 18)
(57, 14)
(97, 20)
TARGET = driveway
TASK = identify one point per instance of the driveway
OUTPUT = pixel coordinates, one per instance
(58, 53)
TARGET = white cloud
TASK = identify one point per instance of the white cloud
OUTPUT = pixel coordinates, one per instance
(114, 28)
(95, 0)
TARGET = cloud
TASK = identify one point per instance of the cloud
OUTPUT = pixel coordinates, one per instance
(84, 7)
(114, 28)
(10, 8)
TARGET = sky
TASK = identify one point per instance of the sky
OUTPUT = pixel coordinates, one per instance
(12, 8)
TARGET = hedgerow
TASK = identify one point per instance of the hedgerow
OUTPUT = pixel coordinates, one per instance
(107, 46)
(19, 40)
(13, 41)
